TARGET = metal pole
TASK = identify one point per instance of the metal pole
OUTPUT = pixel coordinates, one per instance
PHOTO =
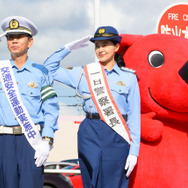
(97, 18)
(97, 14)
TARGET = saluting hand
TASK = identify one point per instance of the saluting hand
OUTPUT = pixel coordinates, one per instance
(80, 43)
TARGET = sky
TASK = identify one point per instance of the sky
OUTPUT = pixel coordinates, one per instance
(62, 21)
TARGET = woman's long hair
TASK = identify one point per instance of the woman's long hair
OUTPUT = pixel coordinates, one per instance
(119, 58)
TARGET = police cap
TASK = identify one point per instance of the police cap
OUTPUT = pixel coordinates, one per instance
(106, 33)
(18, 25)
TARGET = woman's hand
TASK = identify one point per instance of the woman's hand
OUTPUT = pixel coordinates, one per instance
(80, 43)
(130, 164)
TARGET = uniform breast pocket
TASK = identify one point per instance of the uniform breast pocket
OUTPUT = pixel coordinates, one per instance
(121, 90)
(1, 90)
(120, 94)
(33, 93)
(3, 101)
(1, 87)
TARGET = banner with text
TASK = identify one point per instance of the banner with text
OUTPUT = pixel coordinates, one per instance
(174, 21)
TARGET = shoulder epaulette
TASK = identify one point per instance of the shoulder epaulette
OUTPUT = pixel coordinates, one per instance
(128, 69)
(70, 68)
(42, 68)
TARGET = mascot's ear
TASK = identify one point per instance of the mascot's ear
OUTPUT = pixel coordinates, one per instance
(127, 41)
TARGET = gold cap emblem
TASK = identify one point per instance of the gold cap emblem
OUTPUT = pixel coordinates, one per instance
(102, 30)
(32, 84)
(14, 24)
(120, 83)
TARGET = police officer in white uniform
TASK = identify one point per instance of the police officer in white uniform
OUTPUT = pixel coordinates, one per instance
(22, 152)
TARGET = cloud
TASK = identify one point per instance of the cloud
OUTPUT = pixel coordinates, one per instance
(61, 21)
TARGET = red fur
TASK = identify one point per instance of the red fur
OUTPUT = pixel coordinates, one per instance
(163, 158)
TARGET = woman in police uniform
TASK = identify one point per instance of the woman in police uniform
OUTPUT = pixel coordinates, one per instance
(106, 159)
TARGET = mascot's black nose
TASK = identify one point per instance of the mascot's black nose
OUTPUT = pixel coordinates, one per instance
(183, 72)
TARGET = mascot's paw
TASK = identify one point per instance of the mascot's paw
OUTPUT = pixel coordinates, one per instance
(151, 129)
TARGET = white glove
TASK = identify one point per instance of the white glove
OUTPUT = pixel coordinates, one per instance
(42, 153)
(78, 43)
(130, 164)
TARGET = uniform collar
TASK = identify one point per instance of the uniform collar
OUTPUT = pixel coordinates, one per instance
(115, 69)
(26, 66)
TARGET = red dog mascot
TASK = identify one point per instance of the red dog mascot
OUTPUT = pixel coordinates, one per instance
(161, 64)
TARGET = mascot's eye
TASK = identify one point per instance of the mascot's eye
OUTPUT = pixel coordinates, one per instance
(156, 59)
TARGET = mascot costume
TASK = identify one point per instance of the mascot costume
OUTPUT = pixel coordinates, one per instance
(161, 65)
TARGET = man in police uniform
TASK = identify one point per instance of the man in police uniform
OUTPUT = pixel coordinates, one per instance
(28, 110)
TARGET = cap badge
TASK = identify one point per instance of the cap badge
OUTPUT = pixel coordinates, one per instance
(102, 30)
(120, 83)
(32, 84)
(14, 24)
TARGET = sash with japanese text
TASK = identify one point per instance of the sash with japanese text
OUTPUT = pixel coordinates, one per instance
(11, 90)
(104, 101)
